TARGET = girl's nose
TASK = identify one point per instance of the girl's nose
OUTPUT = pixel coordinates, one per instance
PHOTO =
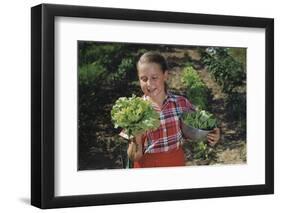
(148, 82)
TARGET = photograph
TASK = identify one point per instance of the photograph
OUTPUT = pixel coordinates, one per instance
(160, 105)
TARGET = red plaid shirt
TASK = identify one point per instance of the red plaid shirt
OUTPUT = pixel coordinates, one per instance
(168, 136)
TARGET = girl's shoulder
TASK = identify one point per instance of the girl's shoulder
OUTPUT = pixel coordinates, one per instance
(181, 101)
(177, 98)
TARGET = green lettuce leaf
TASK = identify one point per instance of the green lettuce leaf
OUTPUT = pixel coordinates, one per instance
(134, 115)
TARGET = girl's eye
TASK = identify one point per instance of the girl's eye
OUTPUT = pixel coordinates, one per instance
(144, 79)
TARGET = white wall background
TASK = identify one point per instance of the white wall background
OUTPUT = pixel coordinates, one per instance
(15, 106)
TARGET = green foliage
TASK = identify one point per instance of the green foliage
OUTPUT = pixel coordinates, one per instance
(236, 103)
(126, 65)
(195, 88)
(90, 73)
(228, 66)
(239, 54)
(104, 53)
(202, 150)
(200, 120)
(134, 115)
(228, 72)
(118, 60)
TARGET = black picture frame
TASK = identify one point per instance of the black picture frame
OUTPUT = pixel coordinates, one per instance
(43, 105)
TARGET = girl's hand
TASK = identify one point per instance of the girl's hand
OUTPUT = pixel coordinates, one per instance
(134, 150)
(137, 139)
(214, 136)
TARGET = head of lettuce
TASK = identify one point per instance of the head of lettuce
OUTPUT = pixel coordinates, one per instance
(135, 115)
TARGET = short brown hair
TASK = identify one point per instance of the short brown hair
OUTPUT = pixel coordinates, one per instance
(154, 57)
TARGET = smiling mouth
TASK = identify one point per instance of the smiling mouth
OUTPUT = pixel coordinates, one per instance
(151, 90)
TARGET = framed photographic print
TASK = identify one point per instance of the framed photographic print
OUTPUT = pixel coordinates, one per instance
(141, 106)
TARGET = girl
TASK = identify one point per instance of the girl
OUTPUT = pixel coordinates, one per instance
(162, 147)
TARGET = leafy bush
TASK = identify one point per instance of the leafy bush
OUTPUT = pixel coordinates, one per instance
(126, 65)
(91, 73)
(236, 104)
(195, 88)
(228, 66)
(202, 150)
(239, 54)
(228, 72)
(118, 60)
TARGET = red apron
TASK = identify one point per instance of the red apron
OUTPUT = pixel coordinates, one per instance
(175, 157)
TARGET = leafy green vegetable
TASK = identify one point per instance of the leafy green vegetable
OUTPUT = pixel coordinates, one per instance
(134, 115)
(196, 90)
(200, 120)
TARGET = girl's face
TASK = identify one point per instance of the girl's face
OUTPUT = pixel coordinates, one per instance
(152, 79)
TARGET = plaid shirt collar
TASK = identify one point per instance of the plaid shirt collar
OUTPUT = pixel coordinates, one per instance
(168, 97)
